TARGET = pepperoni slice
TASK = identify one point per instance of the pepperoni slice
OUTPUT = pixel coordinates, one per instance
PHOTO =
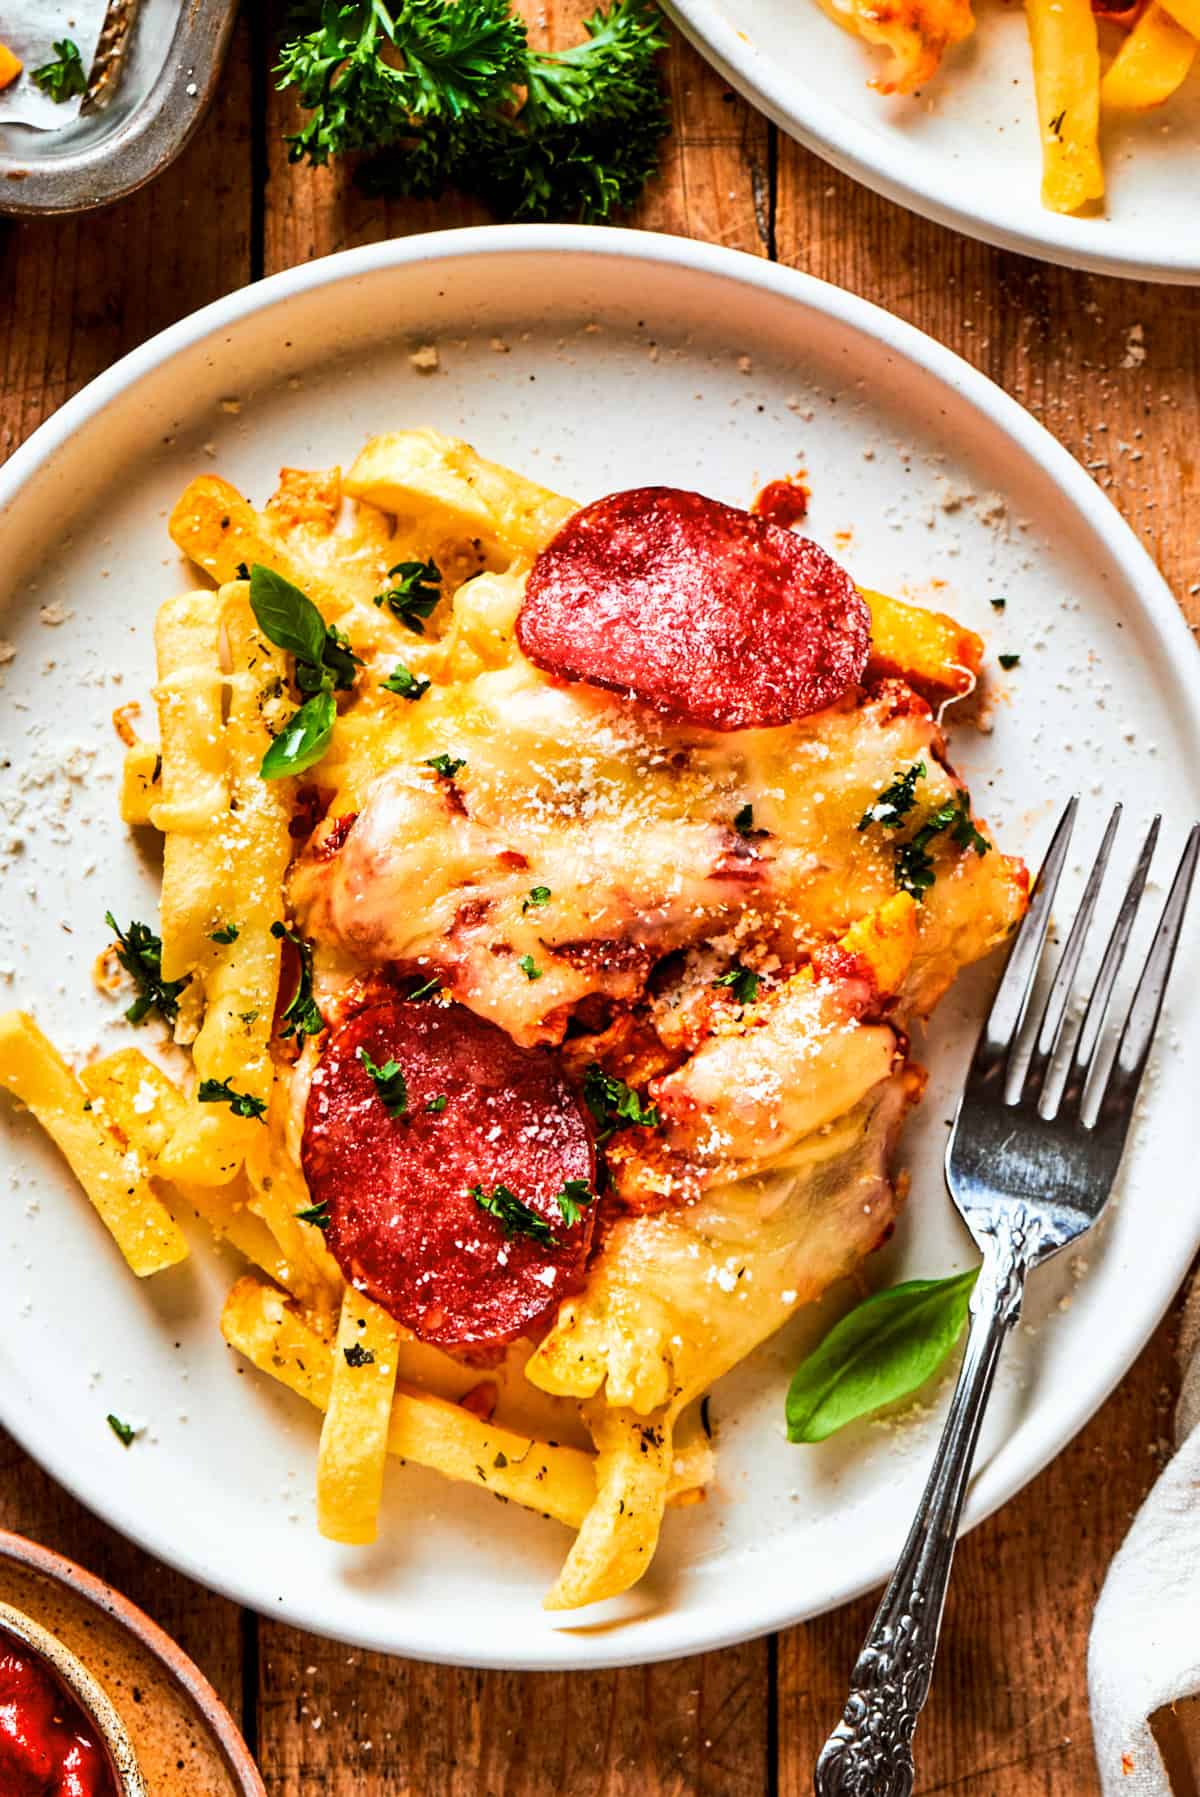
(402, 1224)
(706, 613)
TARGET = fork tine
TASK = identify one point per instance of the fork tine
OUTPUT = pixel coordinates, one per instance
(1110, 966)
(1007, 1014)
(1141, 1021)
(1059, 995)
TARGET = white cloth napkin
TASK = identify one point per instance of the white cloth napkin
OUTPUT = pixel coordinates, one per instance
(1144, 1655)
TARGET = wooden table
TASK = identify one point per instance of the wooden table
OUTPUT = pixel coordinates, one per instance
(1009, 1712)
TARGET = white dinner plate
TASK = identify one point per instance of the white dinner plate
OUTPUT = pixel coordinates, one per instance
(965, 150)
(593, 360)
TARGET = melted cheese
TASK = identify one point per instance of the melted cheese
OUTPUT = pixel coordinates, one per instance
(628, 821)
(680, 1296)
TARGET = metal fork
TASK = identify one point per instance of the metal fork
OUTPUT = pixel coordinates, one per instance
(1030, 1163)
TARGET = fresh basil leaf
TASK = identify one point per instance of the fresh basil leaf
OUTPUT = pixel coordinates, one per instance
(286, 616)
(303, 739)
(884, 1349)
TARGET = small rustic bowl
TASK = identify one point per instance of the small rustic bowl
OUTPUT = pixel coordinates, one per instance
(91, 1697)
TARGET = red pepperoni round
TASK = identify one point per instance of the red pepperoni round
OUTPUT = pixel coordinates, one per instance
(402, 1224)
(706, 613)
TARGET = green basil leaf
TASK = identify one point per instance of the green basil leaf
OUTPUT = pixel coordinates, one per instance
(303, 740)
(286, 616)
(884, 1349)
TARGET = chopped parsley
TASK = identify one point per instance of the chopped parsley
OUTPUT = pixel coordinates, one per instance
(529, 967)
(228, 932)
(242, 1104)
(243, 572)
(742, 984)
(426, 989)
(895, 801)
(1056, 124)
(302, 1016)
(1009, 661)
(614, 1104)
(743, 821)
(124, 1432)
(357, 1355)
(999, 604)
(414, 598)
(514, 1216)
(315, 1213)
(573, 1200)
(536, 896)
(63, 79)
(390, 1084)
(913, 864)
(401, 680)
(436, 1106)
(139, 952)
(444, 765)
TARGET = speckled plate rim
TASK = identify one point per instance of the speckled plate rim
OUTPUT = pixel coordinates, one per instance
(740, 1619)
(184, 1673)
(889, 167)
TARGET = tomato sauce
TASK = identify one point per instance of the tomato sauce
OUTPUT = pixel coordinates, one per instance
(48, 1748)
(783, 502)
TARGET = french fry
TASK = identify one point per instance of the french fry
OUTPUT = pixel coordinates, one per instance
(1153, 61)
(938, 657)
(556, 1481)
(133, 1095)
(453, 492)
(617, 1538)
(113, 1175)
(188, 693)
(1066, 75)
(250, 850)
(354, 1434)
(294, 535)
(139, 782)
(1185, 13)
(220, 531)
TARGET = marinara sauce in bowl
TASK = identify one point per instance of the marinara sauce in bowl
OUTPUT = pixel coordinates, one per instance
(59, 1734)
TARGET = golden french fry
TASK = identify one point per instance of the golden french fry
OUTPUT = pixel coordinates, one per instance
(240, 971)
(939, 658)
(556, 1481)
(617, 1537)
(1185, 13)
(293, 535)
(442, 483)
(113, 1175)
(132, 1094)
(188, 693)
(1066, 74)
(1153, 61)
(354, 1434)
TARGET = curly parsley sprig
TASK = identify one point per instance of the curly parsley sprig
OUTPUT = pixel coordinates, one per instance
(450, 94)
(139, 952)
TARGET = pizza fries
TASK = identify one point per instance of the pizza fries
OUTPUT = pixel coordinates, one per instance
(1149, 49)
(547, 894)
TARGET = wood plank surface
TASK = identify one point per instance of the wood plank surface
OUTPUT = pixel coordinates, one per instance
(1113, 370)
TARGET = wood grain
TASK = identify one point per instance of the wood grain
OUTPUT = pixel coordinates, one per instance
(75, 294)
(1113, 370)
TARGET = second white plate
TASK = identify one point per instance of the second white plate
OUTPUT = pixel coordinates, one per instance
(964, 150)
(593, 360)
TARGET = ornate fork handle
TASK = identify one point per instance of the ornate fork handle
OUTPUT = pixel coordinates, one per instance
(869, 1753)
